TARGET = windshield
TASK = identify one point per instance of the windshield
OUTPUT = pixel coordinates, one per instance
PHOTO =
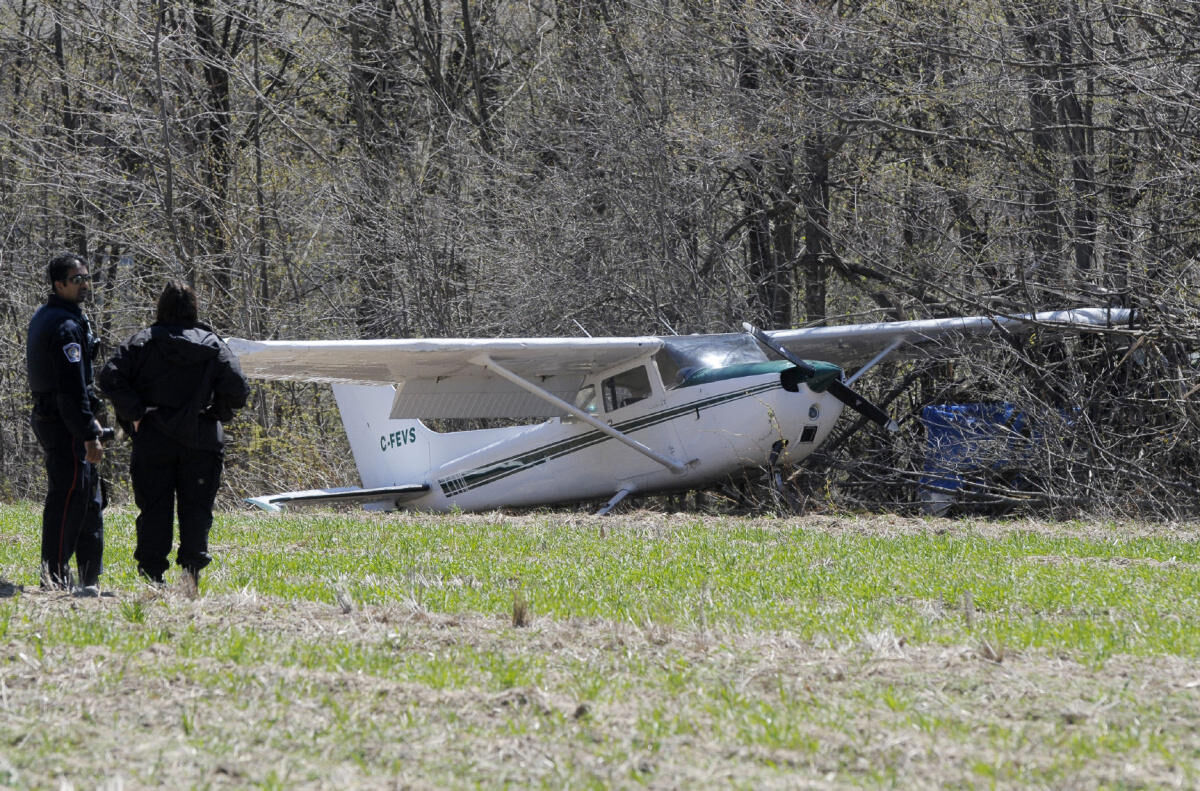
(682, 355)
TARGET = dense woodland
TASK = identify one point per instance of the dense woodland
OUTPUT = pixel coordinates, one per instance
(394, 168)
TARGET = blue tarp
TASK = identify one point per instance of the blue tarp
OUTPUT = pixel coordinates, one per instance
(969, 440)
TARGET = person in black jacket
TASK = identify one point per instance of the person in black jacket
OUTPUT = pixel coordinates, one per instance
(174, 383)
(58, 358)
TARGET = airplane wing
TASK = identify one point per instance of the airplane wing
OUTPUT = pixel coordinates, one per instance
(855, 344)
(452, 377)
(443, 377)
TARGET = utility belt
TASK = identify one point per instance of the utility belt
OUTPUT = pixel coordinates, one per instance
(45, 407)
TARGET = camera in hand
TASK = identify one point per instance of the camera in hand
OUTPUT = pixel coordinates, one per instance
(107, 433)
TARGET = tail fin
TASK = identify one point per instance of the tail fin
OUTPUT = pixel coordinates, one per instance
(387, 452)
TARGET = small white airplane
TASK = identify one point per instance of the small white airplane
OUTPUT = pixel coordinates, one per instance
(622, 415)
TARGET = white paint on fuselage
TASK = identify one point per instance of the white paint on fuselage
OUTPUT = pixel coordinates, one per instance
(718, 428)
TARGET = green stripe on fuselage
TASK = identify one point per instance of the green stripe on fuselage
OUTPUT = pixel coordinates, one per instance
(498, 470)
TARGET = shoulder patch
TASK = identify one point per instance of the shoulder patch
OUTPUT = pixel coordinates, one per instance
(74, 352)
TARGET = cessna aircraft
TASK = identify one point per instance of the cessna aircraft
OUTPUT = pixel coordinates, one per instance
(622, 415)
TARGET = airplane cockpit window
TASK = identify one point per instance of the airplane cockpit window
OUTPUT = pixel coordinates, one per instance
(627, 387)
(585, 399)
(683, 355)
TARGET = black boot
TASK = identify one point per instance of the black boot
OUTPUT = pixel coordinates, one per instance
(154, 580)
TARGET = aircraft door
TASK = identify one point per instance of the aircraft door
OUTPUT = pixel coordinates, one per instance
(633, 402)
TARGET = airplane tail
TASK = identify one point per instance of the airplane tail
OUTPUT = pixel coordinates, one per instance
(395, 457)
(387, 452)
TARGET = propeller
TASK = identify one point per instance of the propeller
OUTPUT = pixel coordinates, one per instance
(839, 389)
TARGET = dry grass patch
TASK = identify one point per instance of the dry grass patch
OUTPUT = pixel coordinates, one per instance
(375, 651)
(614, 705)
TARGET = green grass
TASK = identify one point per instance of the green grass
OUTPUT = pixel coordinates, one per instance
(731, 576)
(680, 651)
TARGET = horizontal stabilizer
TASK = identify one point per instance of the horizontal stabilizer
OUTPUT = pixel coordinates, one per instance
(343, 495)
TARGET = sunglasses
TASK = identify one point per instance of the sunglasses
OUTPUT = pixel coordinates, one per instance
(77, 279)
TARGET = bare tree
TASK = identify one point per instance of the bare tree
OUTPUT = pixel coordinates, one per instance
(456, 167)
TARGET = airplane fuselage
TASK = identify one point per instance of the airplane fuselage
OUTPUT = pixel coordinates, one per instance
(714, 429)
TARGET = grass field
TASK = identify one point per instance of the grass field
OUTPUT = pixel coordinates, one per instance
(643, 650)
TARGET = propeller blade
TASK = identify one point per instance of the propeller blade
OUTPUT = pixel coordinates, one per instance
(839, 389)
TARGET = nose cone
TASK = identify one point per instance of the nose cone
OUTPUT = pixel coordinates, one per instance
(818, 413)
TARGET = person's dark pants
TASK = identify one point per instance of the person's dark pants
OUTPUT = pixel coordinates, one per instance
(164, 472)
(72, 521)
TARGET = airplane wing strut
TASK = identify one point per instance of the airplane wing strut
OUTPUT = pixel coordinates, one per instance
(487, 362)
(875, 360)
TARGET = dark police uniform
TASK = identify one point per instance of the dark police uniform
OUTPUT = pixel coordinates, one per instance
(58, 357)
(181, 382)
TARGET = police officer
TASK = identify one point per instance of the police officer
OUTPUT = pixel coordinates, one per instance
(174, 383)
(58, 357)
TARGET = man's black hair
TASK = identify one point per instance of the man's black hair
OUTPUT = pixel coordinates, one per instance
(177, 305)
(61, 265)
